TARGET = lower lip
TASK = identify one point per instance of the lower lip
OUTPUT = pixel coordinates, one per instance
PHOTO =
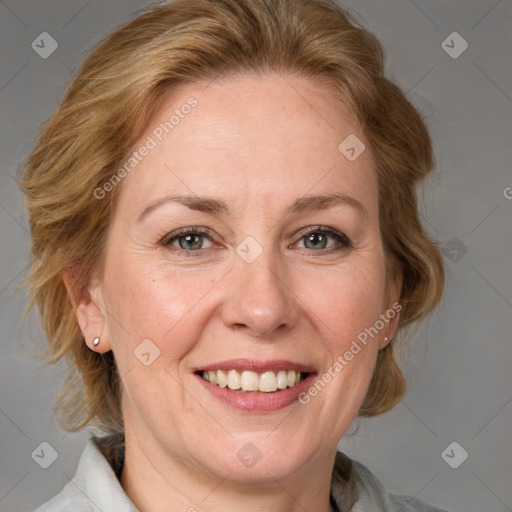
(258, 402)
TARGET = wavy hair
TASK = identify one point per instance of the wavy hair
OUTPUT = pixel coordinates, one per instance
(106, 109)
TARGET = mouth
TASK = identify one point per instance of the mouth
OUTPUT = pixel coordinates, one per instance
(256, 386)
(250, 382)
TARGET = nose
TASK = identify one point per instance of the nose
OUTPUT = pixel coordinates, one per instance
(260, 299)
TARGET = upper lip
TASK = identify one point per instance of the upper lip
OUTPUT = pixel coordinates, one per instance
(256, 365)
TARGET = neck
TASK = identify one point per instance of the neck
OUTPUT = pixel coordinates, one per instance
(153, 480)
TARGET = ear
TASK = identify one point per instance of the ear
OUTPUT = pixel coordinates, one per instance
(392, 311)
(90, 312)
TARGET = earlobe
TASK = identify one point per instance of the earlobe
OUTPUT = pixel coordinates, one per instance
(95, 342)
(89, 314)
(392, 313)
(384, 343)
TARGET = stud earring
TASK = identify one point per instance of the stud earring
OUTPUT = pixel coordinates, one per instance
(96, 341)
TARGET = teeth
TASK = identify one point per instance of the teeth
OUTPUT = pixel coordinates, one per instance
(233, 379)
(266, 382)
(222, 380)
(282, 379)
(250, 381)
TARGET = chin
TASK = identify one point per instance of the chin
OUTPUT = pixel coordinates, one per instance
(259, 457)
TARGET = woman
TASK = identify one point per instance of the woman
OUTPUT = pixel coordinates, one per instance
(225, 243)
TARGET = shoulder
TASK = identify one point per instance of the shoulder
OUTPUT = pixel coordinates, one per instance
(355, 488)
(65, 501)
(95, 486)
(394, 502)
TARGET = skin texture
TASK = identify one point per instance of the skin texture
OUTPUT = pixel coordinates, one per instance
(258, 143)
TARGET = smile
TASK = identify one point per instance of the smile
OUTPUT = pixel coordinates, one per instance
(255, 385)
(247, 381)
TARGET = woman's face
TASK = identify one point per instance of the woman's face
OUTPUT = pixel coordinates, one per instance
(281, 269)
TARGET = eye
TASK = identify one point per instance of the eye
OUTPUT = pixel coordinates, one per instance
(195, 238)
(317, 238)
(189, 239)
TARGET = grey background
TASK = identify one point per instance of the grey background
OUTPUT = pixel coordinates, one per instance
(458, 366)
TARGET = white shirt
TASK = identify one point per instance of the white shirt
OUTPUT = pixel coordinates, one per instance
(96, 488)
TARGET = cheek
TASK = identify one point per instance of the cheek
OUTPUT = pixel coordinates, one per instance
(154, 302)
(346, 302)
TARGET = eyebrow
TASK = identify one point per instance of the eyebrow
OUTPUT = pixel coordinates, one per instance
(217, 207)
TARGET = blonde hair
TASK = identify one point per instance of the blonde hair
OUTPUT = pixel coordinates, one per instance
(106, 110)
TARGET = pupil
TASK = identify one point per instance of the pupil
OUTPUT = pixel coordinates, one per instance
(189, 242)
(317, 239)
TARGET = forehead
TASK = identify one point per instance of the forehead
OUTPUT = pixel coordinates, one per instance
(250, 138)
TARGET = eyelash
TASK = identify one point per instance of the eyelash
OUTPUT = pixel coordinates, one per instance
(343, 241)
